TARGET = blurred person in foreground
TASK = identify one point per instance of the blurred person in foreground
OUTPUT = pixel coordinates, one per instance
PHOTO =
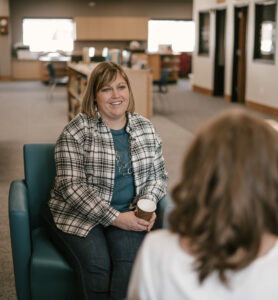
(222, 237)
(107, 158)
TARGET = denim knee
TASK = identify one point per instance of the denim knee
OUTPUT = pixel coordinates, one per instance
(97, 275)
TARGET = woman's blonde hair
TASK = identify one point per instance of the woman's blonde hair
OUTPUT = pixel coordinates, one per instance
(103, 74)
(227, 197)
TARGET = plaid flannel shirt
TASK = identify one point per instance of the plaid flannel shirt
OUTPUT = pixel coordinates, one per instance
(85, 165)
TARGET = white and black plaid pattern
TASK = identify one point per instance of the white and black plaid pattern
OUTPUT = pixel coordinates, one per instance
(85, 165)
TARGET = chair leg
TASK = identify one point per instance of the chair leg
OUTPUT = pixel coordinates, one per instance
(163, 102)
(51, 91)
(158, 102)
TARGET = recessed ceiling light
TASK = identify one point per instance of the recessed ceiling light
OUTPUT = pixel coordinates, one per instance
(92, 4)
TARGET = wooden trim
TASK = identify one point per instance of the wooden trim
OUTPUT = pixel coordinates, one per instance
(262, 108)
(202, 90)
(273, 123)
(227, 98)
(149, 95)
(6, 78)
(221, 1)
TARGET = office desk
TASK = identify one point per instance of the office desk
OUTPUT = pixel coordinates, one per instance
(25, 69)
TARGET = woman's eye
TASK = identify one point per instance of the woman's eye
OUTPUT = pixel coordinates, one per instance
(106, 89)
(122, 87)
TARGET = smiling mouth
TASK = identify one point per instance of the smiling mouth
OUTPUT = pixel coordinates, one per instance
(116, 103)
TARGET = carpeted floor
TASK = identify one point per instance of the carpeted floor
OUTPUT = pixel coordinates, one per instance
(27, 116)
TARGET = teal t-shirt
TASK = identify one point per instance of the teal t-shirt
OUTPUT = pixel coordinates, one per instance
(124, 182)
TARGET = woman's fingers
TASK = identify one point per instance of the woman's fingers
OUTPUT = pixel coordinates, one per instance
(143, 222)
(152, 220)
(128, 221)
(147, 224)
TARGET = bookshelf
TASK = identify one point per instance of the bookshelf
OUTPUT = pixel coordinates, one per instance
(158, 61)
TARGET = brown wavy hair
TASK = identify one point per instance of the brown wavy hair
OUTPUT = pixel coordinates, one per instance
(103, 74)
(227, 197)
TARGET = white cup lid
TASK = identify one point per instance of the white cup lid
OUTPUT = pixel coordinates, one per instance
(146, 205)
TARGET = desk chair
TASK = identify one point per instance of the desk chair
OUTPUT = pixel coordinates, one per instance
(54, 80)
(163, 81)
(41, 272)
(158, 94)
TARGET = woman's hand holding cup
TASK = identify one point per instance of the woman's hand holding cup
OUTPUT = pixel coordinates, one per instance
(145, 209)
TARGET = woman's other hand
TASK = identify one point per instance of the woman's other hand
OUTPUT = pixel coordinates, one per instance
(152, 220)
(128, 221)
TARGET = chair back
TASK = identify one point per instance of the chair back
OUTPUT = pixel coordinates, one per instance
(40, 172)
(51, 71)
(163, 81)
(164, 76)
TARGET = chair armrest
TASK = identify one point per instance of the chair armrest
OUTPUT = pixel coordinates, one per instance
(164, 206)
(20, 237)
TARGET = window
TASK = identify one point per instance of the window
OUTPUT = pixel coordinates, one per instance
(204, 28)
(48, 34)
(265, 33)
(178, 35)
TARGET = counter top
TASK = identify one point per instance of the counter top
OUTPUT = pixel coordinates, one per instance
(273, 123)
(25, 60)
(82, 68)
(55, 58)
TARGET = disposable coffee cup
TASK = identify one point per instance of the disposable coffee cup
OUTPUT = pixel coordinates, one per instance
(145, 209)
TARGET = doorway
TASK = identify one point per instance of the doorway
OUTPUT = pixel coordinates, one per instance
(219, 59)
(239, 56)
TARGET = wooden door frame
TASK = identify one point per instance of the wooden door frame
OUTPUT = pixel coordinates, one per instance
(239, 64)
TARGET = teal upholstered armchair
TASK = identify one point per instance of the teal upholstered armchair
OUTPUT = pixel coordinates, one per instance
(40, 270)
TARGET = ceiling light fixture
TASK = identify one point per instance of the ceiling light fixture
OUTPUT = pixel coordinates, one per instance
(92, 3)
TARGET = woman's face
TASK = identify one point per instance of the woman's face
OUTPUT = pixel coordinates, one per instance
(113, 99)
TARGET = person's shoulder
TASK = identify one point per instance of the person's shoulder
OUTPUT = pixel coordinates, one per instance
(78, 127)
(79, 122)
(160, 236)
(138, 121)
(158, 244)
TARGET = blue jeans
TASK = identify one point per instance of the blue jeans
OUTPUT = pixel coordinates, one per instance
(102, 260)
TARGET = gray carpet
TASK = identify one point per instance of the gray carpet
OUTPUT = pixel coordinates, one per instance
(191, 110)
(27, 116)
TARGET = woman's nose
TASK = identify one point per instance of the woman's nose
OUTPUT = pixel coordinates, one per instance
(115, 93)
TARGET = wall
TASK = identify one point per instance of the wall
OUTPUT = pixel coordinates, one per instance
(176, 9)
(262, 87)
(203, 65)
(5, 42)
(261, 78)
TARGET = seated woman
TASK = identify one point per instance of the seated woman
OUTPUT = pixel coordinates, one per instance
(222, 243)
(107, 158)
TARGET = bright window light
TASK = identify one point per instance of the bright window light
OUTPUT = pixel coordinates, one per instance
(48, 34)
(267, 37)
(92, 51)
(179, 34)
